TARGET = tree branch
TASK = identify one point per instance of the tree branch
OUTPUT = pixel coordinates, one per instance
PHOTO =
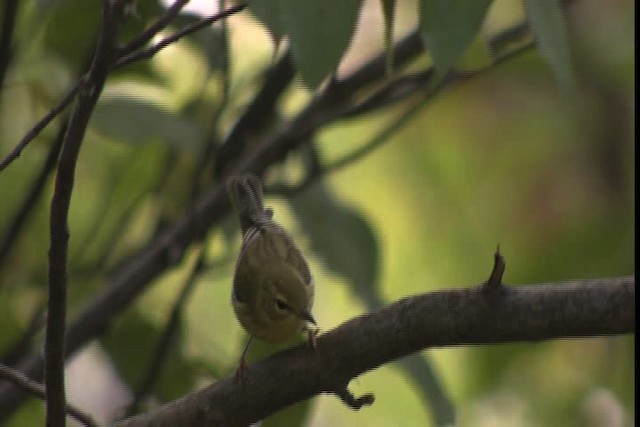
(58, 250)
(437, 319)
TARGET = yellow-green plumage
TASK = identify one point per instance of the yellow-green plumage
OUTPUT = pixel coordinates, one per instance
(272, 286)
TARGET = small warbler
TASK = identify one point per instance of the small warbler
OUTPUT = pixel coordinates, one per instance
(272, 285)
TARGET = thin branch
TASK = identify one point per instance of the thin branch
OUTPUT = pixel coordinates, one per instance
(37, 128)
(37, 389)
(33, 195)
(444, 318)
(58, 249)
(149, 52)
(160, 24)
(383, 136)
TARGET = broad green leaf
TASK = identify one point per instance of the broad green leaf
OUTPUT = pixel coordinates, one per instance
(341, 236)
(319, 32)
(137, 121)
(449, 27)
(548, 26)
(268, 12)
(388, 14)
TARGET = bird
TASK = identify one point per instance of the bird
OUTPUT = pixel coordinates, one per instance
(273, 289)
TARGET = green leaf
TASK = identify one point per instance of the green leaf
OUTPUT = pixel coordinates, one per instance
(449, 27)
(388, 14)
(138, 121)
(547, 24)
(268, 12)
(341, 236)
(319, 32)
(72, 29)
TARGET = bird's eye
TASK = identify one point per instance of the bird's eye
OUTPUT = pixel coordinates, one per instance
(281, 304)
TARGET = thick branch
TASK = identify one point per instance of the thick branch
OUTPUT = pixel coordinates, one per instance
(437, 319)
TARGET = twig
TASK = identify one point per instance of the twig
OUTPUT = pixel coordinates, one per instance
(22, 214)
(37, 128)
(160, 24)
(354, 402)
(149, 52)
(37, 389)
(495, 280)
(383, 136)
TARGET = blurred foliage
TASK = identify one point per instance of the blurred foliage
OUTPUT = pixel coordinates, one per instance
(509, 158)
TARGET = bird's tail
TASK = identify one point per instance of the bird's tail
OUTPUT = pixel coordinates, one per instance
(245, 192)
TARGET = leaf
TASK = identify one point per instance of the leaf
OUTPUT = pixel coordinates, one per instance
(319, 32)
(449, 27)
(72, 29)
(388, 14)
(138, 121)
(341, 236)
(268, 12)
(547, 24)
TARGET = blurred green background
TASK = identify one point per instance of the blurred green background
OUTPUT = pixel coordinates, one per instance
(505, 159)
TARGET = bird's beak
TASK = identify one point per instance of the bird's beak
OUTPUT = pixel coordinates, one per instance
(305, 315)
